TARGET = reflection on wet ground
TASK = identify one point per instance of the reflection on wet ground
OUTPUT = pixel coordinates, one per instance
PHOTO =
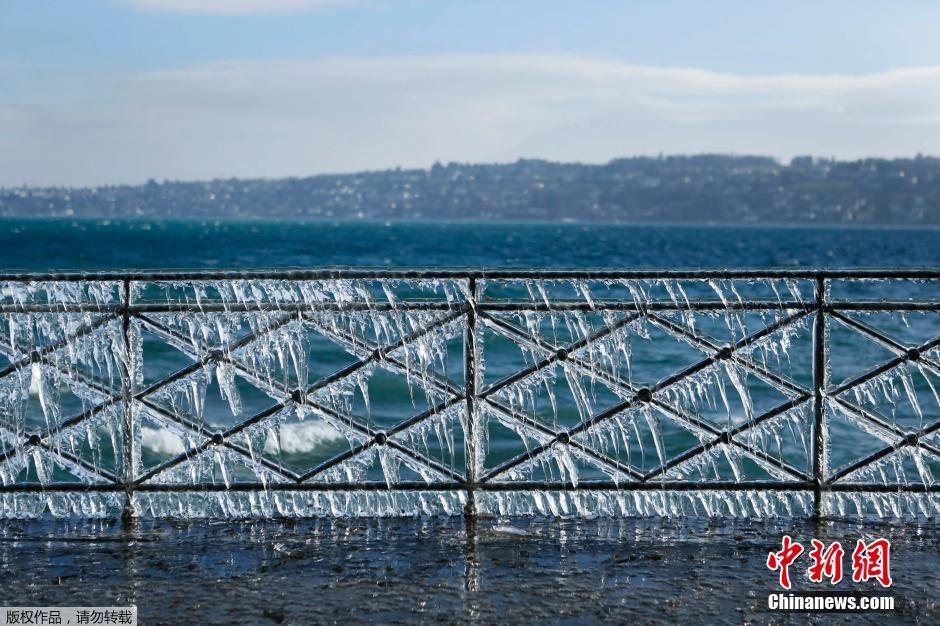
(443, 569)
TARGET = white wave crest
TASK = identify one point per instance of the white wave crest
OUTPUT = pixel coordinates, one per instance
(296, 438)
(301, 437)
(161, 441)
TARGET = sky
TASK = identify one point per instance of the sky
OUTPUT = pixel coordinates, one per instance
(96, 92)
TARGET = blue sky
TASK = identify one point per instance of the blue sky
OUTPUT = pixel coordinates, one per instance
(125, 90)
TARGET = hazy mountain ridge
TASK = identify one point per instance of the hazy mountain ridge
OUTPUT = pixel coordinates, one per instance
(703, 188)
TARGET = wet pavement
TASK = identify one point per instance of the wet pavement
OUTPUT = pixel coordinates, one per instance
(446, 570)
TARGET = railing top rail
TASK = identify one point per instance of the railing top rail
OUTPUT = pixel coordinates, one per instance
(476, 273)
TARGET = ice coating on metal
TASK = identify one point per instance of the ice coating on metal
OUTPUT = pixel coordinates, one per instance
(350, 394)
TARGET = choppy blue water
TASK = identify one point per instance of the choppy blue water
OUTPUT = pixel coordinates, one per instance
(98, 244)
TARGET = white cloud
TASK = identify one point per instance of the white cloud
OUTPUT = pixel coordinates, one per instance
(233, 7)
(297, 117)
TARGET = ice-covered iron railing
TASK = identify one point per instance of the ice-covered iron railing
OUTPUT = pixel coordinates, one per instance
(361, 392)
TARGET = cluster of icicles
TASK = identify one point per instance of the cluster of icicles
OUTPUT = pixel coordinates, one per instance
(91, 357)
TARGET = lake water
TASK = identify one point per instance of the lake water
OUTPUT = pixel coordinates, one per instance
(92, 244)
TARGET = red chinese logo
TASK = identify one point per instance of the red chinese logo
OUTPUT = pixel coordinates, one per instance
(827, 562)
(871, 560)
(783, 559)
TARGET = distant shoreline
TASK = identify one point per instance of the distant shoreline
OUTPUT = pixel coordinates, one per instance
(693, 190)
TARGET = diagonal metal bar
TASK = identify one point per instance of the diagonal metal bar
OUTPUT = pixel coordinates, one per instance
(533, 424)
(690, 421)
(326, 381)
(445, 387)
(199, 449)
(192, 426)
(597, 335)
(759, 456)
(877, 421)
(46, 350)
(85, 465)
(718, 438)
(115, 396)
(400, 427)
(516, 461)
(41, 356)
(9, 431)
(890, 432)
(204, 432)
(336, 460)
(262, 415)
(882, 368)
(65, 425)
(391, 443)
(714, 350)
(757, 421)
(342, 421)
(179, 341)
(375, 354)
(542, 448)
(731, 352)
(665, 382)
(182, 457)
(911, 439)
(882, 339)
(385, 359)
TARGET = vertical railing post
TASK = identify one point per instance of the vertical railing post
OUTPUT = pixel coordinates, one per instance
(471, 449)
(129, 447)
(820, 381)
